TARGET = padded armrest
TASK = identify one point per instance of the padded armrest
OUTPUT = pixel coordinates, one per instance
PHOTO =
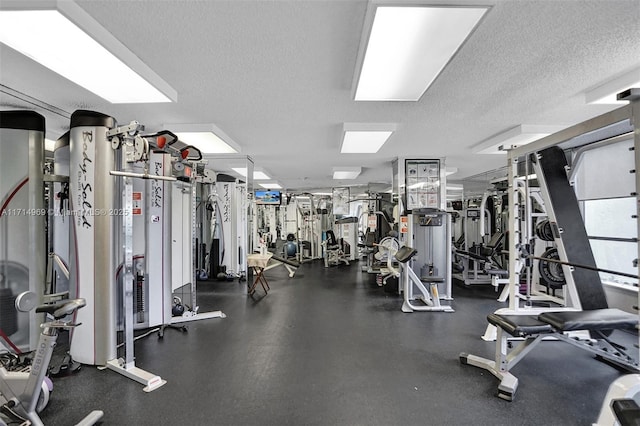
(519, 325)
(595, 319)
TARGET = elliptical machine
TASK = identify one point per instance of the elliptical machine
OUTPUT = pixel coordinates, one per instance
(24, 394)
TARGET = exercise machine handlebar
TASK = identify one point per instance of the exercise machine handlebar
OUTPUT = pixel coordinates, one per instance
(141, 175)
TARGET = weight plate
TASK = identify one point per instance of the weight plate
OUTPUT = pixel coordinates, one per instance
(551, 272)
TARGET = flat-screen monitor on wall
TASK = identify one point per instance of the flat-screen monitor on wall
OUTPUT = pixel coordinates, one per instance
(268, 197)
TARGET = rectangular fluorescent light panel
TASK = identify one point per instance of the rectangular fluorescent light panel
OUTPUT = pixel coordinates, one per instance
(607, 92)
(346, 172)
(48, 37)
(206, 142)
(363, 141)
(270, 186)
(257, 175)
(49, 145)
(409, 46)
(516, 136)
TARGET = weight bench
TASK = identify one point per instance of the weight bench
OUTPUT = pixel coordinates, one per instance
(533, 329)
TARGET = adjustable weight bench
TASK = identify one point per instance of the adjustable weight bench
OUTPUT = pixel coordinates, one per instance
(533, 329)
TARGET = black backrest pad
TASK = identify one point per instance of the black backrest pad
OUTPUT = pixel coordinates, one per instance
(331, 238)
(564, 202)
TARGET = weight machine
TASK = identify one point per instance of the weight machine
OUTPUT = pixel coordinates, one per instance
(22, 224)
(590, 312)
(430, 233)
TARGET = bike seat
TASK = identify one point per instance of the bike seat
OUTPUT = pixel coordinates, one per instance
(62, 308)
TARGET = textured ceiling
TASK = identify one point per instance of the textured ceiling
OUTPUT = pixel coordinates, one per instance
(276, 76)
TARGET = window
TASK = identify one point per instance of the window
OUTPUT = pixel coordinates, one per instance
(604, 186)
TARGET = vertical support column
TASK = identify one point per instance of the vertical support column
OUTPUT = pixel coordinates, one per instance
(37, 253)
(60, 217)
(447, 277)
(635, 121)
(127, 237)
(158, 240)
(514, 233)
(194, 249)
(92, 255)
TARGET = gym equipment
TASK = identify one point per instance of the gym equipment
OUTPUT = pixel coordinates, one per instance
(431, 297)
(26, 393)
(93, 251)
(387, 249)
(430, 231)
(550, 271)
(533, 329)
(152, 240)
(132, 148)
(290, 249)
(232, 205)
(486, 261)
(59, 218)
(620, 405)
(347, 231)
(289, 265)
(333, 253)
(178, 167)
(591, 313)
(22, 223)
(543, 230)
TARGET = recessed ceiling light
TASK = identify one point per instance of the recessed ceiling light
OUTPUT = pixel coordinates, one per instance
(206, 142)
(71, 43)
(346, 172)
(208, 138)
(409, 46)
(365, 138)
(49, 144)
(516, 136)
(606, 93)
(257, 175)
(270, 186)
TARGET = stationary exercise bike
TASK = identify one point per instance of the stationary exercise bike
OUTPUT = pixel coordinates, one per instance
(23, 394)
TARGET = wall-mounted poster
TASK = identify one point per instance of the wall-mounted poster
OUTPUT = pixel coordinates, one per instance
(422, 184)
(340, 201)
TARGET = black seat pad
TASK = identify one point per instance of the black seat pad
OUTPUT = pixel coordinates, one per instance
(596, 319)
(62, 308)
(405, 253)
(519, 325)
(432, 279)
